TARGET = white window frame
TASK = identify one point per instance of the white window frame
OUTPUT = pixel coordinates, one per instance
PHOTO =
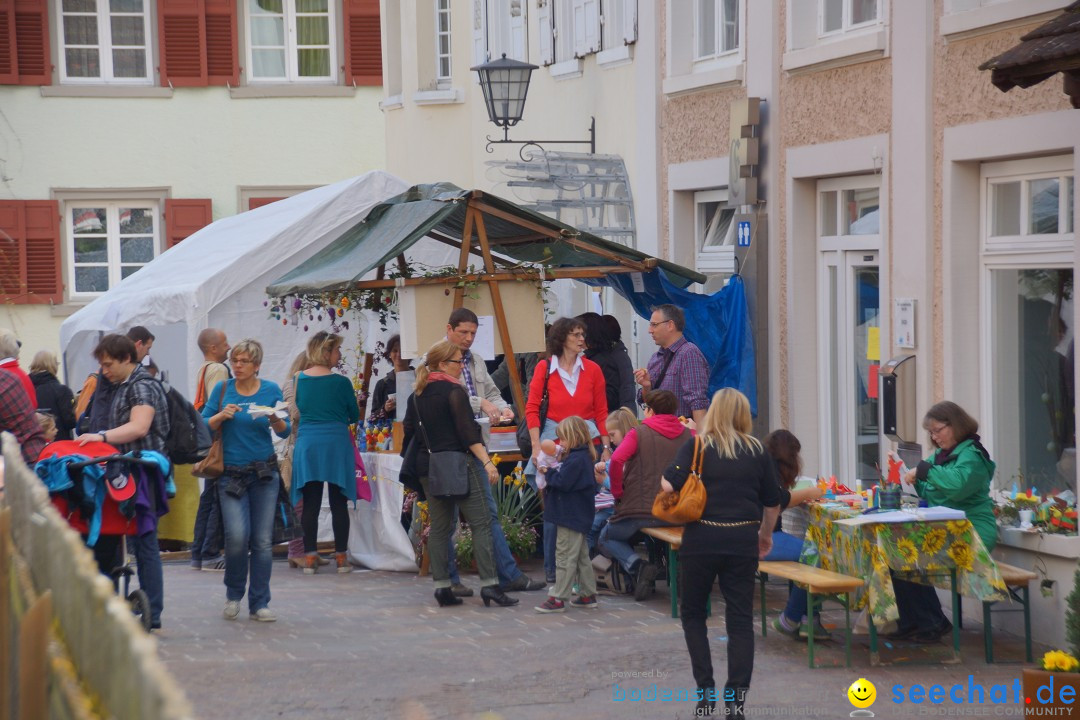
(1025, 171)
(292, 70)
(846, 26)
(112, 207)
(718, 258)
(1012, 253)
(721, 20)
(104, 46)
(443, 80)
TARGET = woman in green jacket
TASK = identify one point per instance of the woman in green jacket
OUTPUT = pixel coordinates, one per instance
(956, 475)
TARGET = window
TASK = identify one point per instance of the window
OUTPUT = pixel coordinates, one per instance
(1032, 205)
(291, 41)
(714, 231)
(108, 241)
(442, 43)
(852, 211)
(716, 28)
(105, 41)
(836, 16)
(1027, 256)
(499, 26)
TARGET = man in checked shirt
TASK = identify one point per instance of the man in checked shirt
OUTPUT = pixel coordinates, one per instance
(677, 366)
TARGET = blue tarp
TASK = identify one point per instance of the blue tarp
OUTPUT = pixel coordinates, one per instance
(719, 324)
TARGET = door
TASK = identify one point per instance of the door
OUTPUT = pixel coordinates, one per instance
(851, 356)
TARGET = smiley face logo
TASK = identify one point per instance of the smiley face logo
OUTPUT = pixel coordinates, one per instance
(862, 693)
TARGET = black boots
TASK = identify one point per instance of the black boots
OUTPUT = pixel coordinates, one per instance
(445, 596)
(490, 593)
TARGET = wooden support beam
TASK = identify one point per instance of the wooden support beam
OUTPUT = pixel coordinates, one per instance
(463, 258)
(597, 271)
(369, 360)
(569, 239)
(500, 316)
(33, 657)
(446, 239)
(402, 265)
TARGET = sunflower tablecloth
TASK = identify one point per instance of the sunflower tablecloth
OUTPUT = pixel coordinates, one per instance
(870, 551)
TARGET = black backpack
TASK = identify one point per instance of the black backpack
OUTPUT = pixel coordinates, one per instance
(189, 438)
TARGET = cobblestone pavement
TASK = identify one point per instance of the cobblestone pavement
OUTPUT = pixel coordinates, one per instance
(374, 645)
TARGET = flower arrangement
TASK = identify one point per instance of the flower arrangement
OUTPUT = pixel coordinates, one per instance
(1059, 661)
(518, 507)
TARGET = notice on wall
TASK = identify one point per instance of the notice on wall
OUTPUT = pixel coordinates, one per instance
(484, 344)
(873, 344)
(904, 322)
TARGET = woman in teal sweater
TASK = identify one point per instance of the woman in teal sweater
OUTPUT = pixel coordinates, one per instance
(324, 449)
(956, 475)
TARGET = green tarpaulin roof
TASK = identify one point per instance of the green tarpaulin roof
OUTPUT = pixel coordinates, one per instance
(395, 225)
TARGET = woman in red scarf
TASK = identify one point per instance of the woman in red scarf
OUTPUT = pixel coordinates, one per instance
(439, 418)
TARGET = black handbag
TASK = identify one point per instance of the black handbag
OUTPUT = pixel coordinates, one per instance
(524, 439)
(286, 523)
(448, 470)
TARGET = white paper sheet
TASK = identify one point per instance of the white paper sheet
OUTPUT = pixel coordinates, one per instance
(905, 516)
(484, 344)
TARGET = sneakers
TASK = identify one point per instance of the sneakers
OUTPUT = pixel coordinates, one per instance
(460, 590)
(213, 564)
(551, 605)
(232, 609)
(196, 564)
(263, 615)
(585, 601)
(342, 560)
(780, 627)
(523, 583)
(644, 579)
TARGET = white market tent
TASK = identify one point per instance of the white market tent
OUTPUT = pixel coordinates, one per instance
(217, 278)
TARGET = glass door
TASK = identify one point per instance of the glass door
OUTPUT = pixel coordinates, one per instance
(850, 309)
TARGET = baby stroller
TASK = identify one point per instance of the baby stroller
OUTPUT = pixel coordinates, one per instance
(93, 486)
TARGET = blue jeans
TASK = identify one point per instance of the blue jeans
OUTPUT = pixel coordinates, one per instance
(616, 538)
(789, 547)
(248, 521)
(151, 579)
(598, 523)
(207, 541)
(505, 565)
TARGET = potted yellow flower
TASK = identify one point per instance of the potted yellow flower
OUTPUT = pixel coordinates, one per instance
(1058, 669)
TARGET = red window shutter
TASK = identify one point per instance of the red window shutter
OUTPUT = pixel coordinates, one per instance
(32, 42)
(9, 63)
(363, 42)
(259, 202)
(182, 34)
(222, 47)
(185, 217)
(30, 252)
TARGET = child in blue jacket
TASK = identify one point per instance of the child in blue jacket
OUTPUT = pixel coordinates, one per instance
(569, 503)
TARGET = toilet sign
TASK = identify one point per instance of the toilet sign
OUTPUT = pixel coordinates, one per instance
(743, 233)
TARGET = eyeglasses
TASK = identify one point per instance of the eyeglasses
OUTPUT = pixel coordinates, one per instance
(934, 432)
(455, 361)
(242, 361)
(657, 323)
(578, 334)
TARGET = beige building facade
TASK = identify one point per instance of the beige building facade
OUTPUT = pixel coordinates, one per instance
(909, 208)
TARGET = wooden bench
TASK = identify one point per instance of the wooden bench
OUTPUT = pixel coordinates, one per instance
(820, 584)
(672, 537)
(1016, 582)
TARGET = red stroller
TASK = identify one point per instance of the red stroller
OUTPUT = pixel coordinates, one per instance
(91, 494)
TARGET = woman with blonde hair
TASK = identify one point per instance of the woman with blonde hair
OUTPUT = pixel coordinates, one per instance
(323, 452)
(439, 418)
(53, 397)
(288, 393)
(735, 530)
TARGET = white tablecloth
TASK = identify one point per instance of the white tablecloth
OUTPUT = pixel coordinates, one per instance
(376, 538)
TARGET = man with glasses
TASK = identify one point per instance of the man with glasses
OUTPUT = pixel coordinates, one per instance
(208, 538)
(678, 366)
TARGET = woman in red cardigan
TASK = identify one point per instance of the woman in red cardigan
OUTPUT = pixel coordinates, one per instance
(575, 386)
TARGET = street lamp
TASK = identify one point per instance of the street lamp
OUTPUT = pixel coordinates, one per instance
(505, 84)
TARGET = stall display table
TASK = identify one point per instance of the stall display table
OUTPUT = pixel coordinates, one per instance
(377, 539)
(946, 553)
